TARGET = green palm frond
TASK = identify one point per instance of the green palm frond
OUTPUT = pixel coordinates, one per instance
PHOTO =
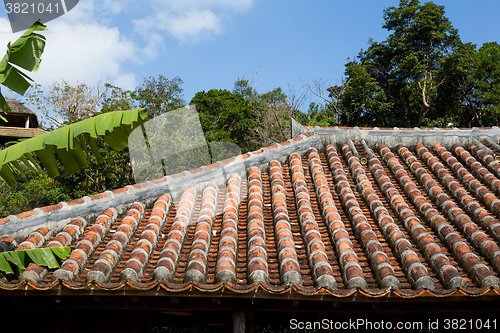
(15, 262)
(69, 144)
(24, 53)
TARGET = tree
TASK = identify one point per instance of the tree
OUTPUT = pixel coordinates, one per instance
(65, 103)
(396, 82)
(117, 99)
(227, 117)
(272, 111)
(327, 111)
(480, 86)
(159, 95)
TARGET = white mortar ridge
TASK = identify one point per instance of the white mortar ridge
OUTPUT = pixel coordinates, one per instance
(392, 137)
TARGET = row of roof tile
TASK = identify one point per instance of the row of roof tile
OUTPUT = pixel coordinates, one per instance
(333, 218)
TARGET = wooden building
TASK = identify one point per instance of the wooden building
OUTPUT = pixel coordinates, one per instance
(21, 123)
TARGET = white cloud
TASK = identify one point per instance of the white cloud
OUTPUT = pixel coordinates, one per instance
(186, 26)
(86, 52)
(193, 23)
(85, 45)
(181, 5)
(188, 20)
(115, 7)
(81, 48)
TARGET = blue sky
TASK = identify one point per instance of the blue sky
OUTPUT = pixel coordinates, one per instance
(211, 43)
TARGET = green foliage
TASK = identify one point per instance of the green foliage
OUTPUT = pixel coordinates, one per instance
(15, 262)
(271, 111)
(32, 190)
(317, 115)
(480, 86)
(115, 171)
(159, 95)
(38, 189)
(422, 75)
(117, 99)
(24, 53)
(70, 144)
(396, 82)
(227, 117)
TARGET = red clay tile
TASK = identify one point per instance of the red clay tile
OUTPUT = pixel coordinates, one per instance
(98, 196)
(75, 201)
(51, 208)
(304, 224)
(460, 248)
(120, 190)
(159, 180)
(178, 175)
(25, 214)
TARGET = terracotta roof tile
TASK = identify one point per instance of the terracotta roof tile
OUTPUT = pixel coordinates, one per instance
(228, 240)
(35, 239)
(200, 247)
(316, 251)
(7, 243)
(169, 256)
(472, 263)
(86, 246)
(287, 255)
(378, 259)
(315, 215)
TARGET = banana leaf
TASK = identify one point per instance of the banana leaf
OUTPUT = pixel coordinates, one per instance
(24, 53)
(66, 144)
(15, 262)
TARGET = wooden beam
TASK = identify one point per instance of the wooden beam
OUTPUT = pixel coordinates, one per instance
(248, 321)
(238, 321)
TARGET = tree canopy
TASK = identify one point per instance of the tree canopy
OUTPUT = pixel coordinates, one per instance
(226, 116)
(421, 75)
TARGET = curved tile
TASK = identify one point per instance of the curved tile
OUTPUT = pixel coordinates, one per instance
(228, 242)
(198, 256)
(416, 272)
(86, 246)
(475, 235)
(378, 259)
(486, 158)
(36, 239)
(474, 209)
(469, 260)
(169, 256)
(64, 238)
(481, 172)
(316, 254)
(447, 273)
(287, 255)
(256, 247)
(140, 256)
(110, 257)
(352, 272)
(475, 186)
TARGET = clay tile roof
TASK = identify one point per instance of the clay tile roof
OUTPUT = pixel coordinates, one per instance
(333, 212)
